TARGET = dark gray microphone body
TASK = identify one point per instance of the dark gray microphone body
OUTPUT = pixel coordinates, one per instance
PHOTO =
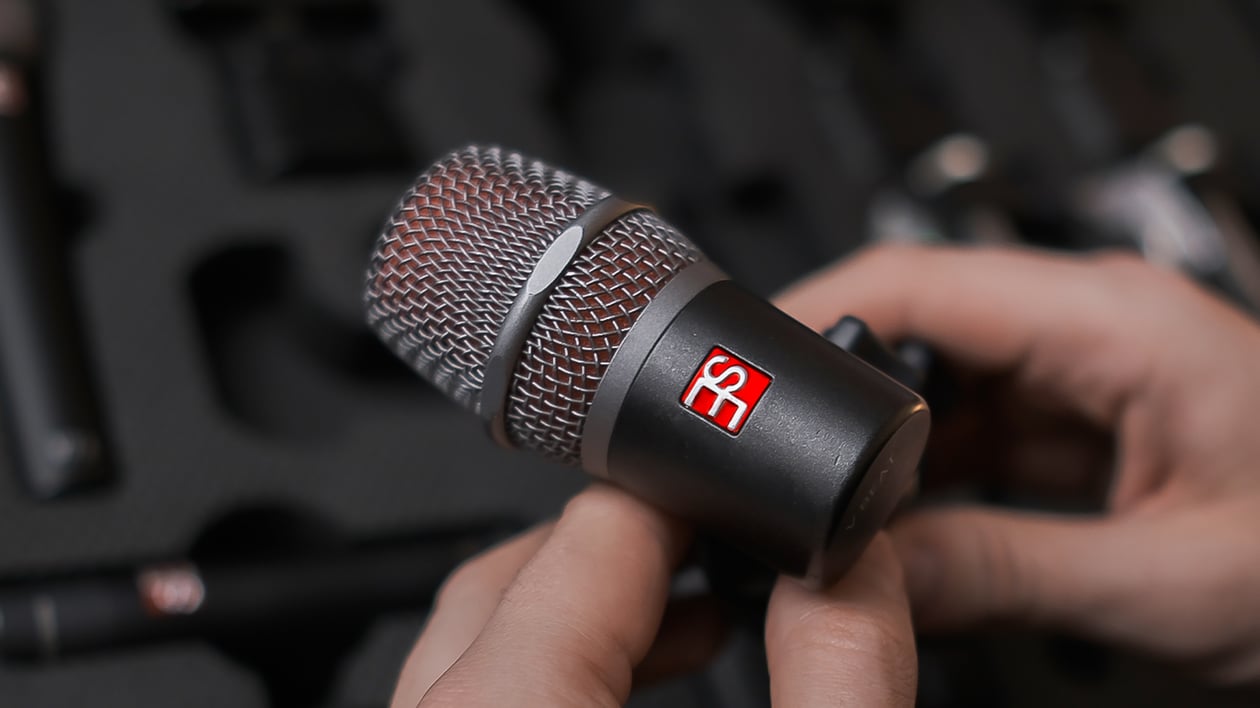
(587, 329)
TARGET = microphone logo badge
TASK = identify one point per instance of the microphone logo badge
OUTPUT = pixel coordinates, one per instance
(724, 390)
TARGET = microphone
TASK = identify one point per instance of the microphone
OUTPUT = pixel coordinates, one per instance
(62, 617)
(585, 328)
(54, 419)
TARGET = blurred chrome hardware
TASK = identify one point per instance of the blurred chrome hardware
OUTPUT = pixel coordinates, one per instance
(1150, 202)
(955, 159)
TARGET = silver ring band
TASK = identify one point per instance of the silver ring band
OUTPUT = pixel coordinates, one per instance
(529, 302)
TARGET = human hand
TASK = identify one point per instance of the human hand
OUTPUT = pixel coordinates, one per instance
(571, 613)
(1172, 374)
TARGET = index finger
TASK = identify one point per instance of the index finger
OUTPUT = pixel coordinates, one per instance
(1053, 318)
(579, 616)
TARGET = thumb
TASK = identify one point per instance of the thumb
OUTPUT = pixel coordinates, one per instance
(851, 644)
(973, 566)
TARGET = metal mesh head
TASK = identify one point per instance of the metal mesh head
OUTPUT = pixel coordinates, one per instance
(458, 249)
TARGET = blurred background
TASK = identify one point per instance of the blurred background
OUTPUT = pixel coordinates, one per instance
(200, 428)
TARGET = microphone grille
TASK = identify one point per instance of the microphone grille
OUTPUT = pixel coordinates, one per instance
(458, 249)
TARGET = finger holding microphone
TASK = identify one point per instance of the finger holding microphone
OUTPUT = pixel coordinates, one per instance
(569, 613)
(1168, 567)
(561, 615)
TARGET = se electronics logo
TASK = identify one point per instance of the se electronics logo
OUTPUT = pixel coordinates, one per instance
(725, 389)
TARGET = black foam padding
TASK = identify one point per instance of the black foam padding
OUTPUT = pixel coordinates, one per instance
(221, 289)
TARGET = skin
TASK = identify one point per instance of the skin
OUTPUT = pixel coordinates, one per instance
(1084, 369)
(564, 614)
(1109, 347)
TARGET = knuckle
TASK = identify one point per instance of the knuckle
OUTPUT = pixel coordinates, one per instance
(1127, 278)
(1009, 587)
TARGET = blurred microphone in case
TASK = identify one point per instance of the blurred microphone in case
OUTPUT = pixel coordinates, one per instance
(228, 599)
(53, 420)
(586, 329)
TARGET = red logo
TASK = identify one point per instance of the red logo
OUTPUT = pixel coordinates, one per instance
(725, 389)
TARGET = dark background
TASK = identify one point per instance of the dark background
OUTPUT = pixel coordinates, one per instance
(226, 164)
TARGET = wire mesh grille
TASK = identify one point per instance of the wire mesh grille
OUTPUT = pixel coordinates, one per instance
(459, 247)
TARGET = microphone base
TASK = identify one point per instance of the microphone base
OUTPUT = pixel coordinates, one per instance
(763, 433)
